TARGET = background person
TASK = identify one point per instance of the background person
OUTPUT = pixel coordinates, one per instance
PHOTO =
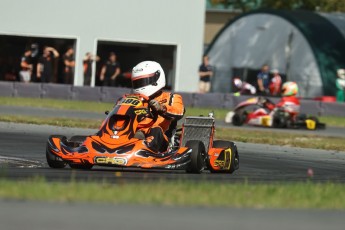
(26, 66)
(110, 71)
(263, 80)
(45, 64)
(276, 83)
(68, 60)
(205, 74)
(87, 64)
(340, 84)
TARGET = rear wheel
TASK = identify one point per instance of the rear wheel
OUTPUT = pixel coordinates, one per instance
(279, 120)
(235, 159)
(197, 156)
(239, 118)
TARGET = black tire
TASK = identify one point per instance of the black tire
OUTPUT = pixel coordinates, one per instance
(235, 158)
(85, 166)
(238, 119)
(197, 156)
(52, 160)
(78, 139)
(279, 121)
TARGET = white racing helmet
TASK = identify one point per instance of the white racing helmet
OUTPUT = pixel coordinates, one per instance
(147, 78)
(238, 82)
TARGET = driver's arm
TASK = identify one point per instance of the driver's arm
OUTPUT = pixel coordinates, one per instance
(174, 106)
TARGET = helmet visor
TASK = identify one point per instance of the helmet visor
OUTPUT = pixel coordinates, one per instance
(146, 80)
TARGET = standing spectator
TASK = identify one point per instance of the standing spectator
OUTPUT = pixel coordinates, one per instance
(340, 83)
(26, 66)
(110, 71)
(276, 83)
(205, 74)
(68, 60)
(87, 64)
(263, 80)
(45, 64)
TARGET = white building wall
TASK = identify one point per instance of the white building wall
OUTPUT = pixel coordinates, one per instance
(177, 22)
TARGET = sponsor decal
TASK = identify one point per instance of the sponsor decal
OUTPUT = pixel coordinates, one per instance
(226, 163)
(140, 112)
(111, 160)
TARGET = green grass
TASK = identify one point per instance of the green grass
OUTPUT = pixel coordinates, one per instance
(283, 139)
(57, 104)
(56, 121)
(182, 193)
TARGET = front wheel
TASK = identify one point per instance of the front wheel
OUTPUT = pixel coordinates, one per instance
(239, 118)
(54, 162)
(197, 156)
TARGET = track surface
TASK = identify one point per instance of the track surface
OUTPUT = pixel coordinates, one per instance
(55, 216)
(22, 155)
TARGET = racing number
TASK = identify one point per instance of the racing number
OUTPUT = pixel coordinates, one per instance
(131, 101)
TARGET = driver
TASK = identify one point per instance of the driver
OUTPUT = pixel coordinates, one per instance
(148, 79)
(289, 102)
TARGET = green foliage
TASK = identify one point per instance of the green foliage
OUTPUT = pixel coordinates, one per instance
(312, 5)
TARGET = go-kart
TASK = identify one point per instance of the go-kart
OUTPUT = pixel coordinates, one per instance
(246, 113)
(116, 144)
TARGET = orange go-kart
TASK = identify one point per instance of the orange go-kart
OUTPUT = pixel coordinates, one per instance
(116, 144)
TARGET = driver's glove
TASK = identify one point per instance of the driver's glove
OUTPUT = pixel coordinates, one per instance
(155, 105)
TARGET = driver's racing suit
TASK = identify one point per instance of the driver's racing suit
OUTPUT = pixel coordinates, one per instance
(289, 104)
(157, 136)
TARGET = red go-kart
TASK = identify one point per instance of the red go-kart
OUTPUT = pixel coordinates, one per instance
(255, 111)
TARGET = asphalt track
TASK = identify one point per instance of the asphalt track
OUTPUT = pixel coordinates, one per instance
(16, 215)
(22, 155)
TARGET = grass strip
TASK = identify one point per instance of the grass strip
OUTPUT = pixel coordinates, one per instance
(283, 139)
(232, 134)
(55, 121)
(182, 193)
